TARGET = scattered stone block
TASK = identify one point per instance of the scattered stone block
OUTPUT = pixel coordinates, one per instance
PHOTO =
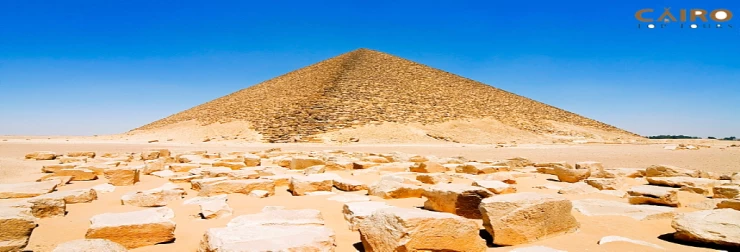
(151, 166)
(520, 218)
(572, 175)
(349, 185)
(183, 167)
(356, 212)
(434, 178)
(669, 171)
(73, 196)
(259, 194)
(427, 167)
(409, 229)
(300, 163)
(90, 245)
(390, 189)
(720, 227)
(726, 191)
(495, 186)
(134, 229)
(279, 217)
(156, 197)
(462, 200)
(262, 238)
(68, 160)
(87, 154)
(604, 183)
(197, 184)
(184, 178)
(26, 189)
(578, 188)
(104, 188)
(41, 155)
(300, 185)
(122, 176)
(316, 169)
(597, 207)
(653, 195)
(77, 174)
(730, 203)
(215, 209)
(244, 186)
(57, 167)
(17, 225)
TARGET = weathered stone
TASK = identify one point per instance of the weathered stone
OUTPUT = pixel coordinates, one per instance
(578, 188)
(122, 176)
(597, 207)
(506, 177)
(361, 165)
(73, 196)
(280, 180)
(26, 189)
(702, 186)
(614, 238)
(495, 186)
(183, 167)
(279, 217)
(77, 174)
(134, 229)
(726, 191)
(244, 186)
(479, 168)
(184, 178)
(57, 167)
(434, 178)
(618, 173)
(407, 229)
(39, 207)
(17, 225)
(156, 197)
(197, 184)
(549, 168)
(720, 226)
(259, 194)
(41, 155)
(300, 185)
(653, 195)
(90, 245)
(520, 218)
(164, 174)
(63, 180)
(730, 203)
(356, 212)
(402, 177)
(151, 166)
(462, 200)
(67, 160)
(604, 183)
(349, 185)
(104, 188)
(215, 209)
(427, 167)
(316, 169)
(572, 175)
(389, 189)
(230, 165)
(669, 171)
(300, 163)
(265, 238)
(87, 154)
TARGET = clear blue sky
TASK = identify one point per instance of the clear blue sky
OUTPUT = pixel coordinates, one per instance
(100, 67)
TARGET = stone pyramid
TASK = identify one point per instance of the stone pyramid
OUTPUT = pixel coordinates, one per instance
(368, 87)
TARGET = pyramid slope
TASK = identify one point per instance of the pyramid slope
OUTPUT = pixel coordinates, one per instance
(365, 87)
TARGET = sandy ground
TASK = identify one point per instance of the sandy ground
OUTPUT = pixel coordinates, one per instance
(190, 227)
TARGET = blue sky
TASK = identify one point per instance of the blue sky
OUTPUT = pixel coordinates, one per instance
(101, 67)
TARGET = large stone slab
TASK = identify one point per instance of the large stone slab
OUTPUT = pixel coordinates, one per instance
(389, 189)
(244, 186)
(572, 175)
(301, 217)
(669, 171)
(134, 229)
(410, 229)
(17, 225)
(90, 245)
(726, 191)
(26, 189)
(434, 178)
(356, 212)
(720, 226)
(122, 176)
(495, 186)
(215, 209)
(653, 195)
(462, 200)
(598, 207)
(702, 186)
(520, 218)
(427, 167)
(300, 163)
(300, 185)
(41, 155)
(73, 196)
(78, 174)
(349, 185)
(269, 238)
(155, 197)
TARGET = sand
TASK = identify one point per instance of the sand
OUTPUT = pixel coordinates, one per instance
(190, 227)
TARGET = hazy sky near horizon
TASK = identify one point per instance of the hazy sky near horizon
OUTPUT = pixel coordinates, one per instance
(102, 67)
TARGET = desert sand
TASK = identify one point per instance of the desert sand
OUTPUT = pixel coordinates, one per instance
(717, 158)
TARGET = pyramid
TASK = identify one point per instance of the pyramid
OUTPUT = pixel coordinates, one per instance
(365, 87)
